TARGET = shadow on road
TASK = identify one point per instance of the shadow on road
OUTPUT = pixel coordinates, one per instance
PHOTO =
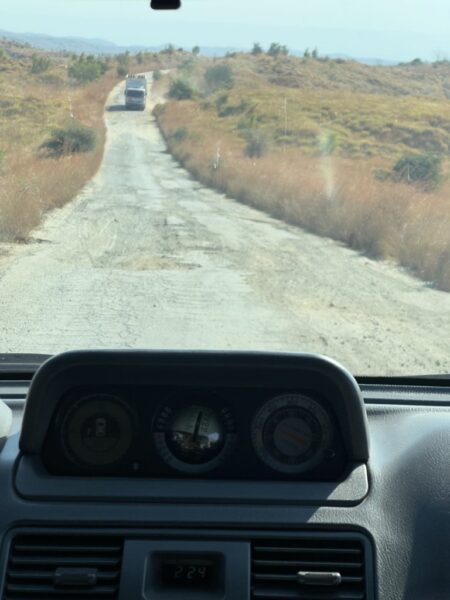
(116, 108)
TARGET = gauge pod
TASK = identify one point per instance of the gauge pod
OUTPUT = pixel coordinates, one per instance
(292, 433)
(194, 438)
(97, 430)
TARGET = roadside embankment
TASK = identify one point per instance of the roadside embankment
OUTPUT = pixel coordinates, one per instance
(249, 142)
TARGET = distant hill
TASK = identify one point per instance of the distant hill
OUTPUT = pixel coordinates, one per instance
(378, 62)
(99, 46)
(72, 44)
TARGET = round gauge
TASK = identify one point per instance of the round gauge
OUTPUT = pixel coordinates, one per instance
(291, 433)
(97, 430)
(195, 438)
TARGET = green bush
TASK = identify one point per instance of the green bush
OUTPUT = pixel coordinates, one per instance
(419, 168)
(257, 143)
(277, 50)
(122, 71)
(221, 101)
(123, 59)
(3, 55)
(196, 50)
(257, 49)
(169, 49)
(123, 64)
(181, 90)
(157, 75)
(219, 76)
(40, 64)
(86, 69)
(248, 121)
(72, 139)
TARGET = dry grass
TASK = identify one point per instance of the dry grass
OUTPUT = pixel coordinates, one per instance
(30, 107)
(32, 184)
(330, 195)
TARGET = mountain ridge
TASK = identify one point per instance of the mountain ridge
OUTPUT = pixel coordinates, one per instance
(100, 46)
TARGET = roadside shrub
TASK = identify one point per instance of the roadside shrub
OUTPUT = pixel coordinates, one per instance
(257, 144)
(123, 64)
(157, 75)
(3, 55)
(181, 90)
(122, 71)
(40, 64)
(72, 139)
(196, 50)
(219, 76)
(123, 59)
(221, 101)
(419, 168)
(86, 69)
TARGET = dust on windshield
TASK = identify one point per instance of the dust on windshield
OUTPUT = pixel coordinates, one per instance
(227, 177)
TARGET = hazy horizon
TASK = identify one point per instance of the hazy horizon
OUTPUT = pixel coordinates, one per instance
(386, 30)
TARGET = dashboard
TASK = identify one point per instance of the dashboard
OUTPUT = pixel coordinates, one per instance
(199, 475)
(250, 434)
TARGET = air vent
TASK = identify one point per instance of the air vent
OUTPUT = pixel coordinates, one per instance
(310, 568)
(61, 567)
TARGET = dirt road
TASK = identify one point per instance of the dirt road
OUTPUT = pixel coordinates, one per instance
(146, 257)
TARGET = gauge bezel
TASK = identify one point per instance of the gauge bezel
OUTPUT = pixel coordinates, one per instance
(74, 417)
(269, 410)
(166, 413)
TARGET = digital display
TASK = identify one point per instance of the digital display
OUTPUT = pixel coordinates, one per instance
(194, 572)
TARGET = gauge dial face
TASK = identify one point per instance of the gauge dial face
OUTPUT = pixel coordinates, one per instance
(195, 438)
(291, 433)
(97, 430)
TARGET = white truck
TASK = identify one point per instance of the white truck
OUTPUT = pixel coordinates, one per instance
(136, 92)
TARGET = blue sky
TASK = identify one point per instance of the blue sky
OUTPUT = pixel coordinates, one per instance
(396, 29)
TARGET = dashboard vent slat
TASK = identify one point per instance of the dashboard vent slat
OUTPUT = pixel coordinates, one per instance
(275, 564)
(36, 560)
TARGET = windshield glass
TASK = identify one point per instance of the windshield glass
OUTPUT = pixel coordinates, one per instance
(135, 93)
(283, 187)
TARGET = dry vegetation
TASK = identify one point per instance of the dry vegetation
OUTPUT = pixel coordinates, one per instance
(325, 131)
(31, 106)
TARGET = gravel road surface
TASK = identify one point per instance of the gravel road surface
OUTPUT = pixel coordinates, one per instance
(145, 257)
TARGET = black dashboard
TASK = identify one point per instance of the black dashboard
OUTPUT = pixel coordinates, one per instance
(224, 433)
(151, 415)
(166, 475)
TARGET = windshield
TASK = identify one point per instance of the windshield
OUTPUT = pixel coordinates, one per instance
(285, 186)
(135, 93)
